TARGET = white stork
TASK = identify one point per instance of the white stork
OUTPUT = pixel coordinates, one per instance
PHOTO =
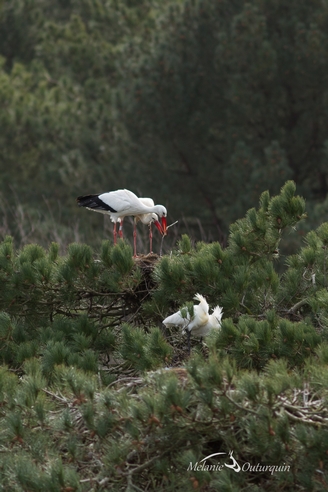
(122, 203)
(200, 323)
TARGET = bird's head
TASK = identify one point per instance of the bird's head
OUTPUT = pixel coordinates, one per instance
(149, 218)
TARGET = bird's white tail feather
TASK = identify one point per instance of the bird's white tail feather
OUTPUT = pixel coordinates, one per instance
(199, 297)
(218, 312)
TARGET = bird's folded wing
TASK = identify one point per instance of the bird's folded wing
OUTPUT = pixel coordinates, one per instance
(122, 201)
(176, 320)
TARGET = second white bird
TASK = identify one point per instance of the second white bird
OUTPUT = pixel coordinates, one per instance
(200, 323)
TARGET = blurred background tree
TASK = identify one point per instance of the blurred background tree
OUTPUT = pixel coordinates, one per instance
(201, 105)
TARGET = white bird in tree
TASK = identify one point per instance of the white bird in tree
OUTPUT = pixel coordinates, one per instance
(199, 322)
(122, 203)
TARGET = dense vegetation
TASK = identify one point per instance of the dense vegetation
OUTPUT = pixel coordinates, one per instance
(198, 104)
(94, 395)
(202, 105)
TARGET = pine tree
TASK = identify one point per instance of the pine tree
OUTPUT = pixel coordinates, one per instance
(94, 393)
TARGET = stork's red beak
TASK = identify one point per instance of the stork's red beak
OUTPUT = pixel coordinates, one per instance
(164, 225)
(159, 227)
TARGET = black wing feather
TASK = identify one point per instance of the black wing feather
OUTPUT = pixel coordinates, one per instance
(94, 202)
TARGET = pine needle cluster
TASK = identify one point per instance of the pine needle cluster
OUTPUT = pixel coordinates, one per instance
(95, 395)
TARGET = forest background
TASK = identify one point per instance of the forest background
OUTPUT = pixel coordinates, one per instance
(201, 105)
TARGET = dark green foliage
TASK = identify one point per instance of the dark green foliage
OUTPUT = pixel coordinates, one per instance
(55, 353)
(144, 351)
(92, 391)
(254, 343)
(184, 244)
(242, 278)
(95, 93)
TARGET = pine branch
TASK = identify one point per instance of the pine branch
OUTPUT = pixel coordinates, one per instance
(148, 463)
(239, 406)
(297, 305)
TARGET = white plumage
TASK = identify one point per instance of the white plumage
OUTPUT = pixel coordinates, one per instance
(200, 323)
(200, 317)
(147, 218)
(213, 323)
(122, 203)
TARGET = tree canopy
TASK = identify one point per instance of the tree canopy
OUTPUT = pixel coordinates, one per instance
(95, 394)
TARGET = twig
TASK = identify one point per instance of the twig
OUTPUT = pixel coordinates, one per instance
(161, 248)
(147, 463)
(131, 485)
(297, 305)
(300, 419)
(134, 379)
(60, 398)
(240, 406)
